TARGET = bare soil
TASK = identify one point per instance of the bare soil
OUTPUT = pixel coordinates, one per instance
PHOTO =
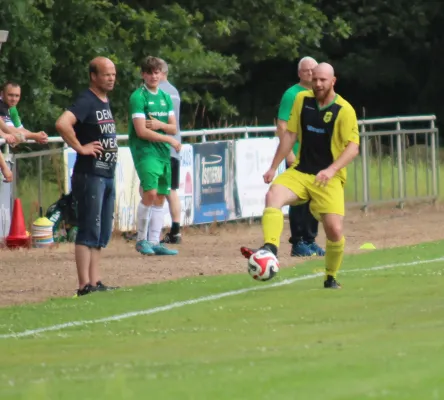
(34, 275)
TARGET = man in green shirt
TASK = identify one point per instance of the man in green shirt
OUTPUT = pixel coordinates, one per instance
(303, 226)
(152, 125)
(10, 122)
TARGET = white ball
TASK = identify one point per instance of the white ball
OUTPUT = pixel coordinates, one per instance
(263, 265)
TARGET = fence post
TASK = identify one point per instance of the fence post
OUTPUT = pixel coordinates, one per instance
(434, 175)
(437, 158)
(400, 166)
(14, 181)
(40, 187)
(365, 196)
(204, 132)
(246, 132)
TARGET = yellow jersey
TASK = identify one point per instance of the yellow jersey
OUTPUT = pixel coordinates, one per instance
(323, 132)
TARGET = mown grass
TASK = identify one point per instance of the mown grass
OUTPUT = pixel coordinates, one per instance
(377, 338)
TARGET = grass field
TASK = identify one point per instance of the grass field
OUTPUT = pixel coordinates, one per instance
(378, 338)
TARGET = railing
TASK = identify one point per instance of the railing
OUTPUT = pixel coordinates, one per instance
(398, 162)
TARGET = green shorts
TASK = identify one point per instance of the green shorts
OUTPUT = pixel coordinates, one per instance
(154, 173)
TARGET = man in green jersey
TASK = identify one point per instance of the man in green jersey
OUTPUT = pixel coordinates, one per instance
(10, 122)
(152, 124)
(303, 226)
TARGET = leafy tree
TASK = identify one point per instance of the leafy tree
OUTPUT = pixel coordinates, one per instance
(27, 58)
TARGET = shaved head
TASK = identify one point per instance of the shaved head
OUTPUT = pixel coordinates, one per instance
(102, 74)
(325, 69)
(323, 83)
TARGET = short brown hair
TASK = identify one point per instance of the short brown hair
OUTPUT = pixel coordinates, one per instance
(151, 64)
(10, 83)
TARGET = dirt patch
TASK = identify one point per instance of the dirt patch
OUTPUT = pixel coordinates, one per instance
(36, 275)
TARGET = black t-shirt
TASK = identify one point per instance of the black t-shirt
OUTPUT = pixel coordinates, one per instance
(95, 122)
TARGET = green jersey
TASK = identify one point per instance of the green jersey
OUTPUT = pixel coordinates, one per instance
(145, 104)
(287, 104)
(15, 117)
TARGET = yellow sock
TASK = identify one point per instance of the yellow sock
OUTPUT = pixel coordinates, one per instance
(272, 225)
(334, 252)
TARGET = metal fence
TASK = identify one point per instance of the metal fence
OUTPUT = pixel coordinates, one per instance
(398, 161)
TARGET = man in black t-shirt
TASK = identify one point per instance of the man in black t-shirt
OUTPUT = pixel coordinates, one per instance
(88, 127)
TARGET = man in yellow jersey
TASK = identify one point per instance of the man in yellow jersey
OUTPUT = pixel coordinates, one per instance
(303, 226)
(327, 128)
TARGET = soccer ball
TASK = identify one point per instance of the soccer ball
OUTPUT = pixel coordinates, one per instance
(263, 265)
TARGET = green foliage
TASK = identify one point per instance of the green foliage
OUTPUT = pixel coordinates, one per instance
(231, 60)
(27, 57)
(208, 46)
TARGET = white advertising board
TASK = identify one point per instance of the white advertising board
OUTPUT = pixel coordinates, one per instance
(253, 158)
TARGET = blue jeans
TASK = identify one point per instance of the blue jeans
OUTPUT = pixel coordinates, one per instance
(94, 197)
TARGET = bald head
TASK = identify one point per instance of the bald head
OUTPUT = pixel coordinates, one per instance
(323, 82)
(99, 63)
(324, 69)
(102, 74)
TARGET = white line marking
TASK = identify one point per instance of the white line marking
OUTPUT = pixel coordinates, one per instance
(179, 304)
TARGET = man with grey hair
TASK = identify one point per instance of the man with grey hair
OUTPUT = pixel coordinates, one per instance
(174, 236)
(303, 226)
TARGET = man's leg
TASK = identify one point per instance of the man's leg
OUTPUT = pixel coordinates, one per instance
(106, 229)
(86, 194)
(174, 236)
(298, 217)
(333, 226)
(311, 232)
(327, 205)
(273, 219)
(94, 270)
(143, 219)
(149, 172)
(157, 217)
(83, 258)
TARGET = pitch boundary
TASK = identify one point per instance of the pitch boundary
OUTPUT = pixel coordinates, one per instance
(179, 304)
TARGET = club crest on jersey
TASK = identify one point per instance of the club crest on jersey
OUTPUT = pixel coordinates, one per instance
(328, 116)
(162, 103)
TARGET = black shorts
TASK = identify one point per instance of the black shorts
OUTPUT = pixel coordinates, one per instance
(175, 173)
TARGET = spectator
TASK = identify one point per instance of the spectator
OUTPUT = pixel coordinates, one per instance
(14, 132)
(88, 127)
(173, 236)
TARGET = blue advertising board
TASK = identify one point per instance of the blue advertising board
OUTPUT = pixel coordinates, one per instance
(210, 182)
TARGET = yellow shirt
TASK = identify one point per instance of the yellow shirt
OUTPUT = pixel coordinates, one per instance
(323, 132)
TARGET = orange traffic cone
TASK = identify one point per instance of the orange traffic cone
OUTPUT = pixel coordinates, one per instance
(18, 237)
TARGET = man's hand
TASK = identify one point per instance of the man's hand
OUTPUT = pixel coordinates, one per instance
(10, 139)
(91, 149)
(7, 174)
(153, 124)
(176, 144)
(324, 176)
(41, 137)
(269, 175)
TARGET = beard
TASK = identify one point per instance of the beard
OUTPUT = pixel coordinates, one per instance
(321, 95)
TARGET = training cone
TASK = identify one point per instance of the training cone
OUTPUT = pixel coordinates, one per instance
(18, 236)
(368, 246)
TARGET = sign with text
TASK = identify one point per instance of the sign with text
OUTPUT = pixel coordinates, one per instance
(210, 178)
